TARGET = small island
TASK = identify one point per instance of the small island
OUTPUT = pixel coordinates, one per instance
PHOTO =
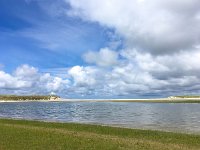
(29, 98)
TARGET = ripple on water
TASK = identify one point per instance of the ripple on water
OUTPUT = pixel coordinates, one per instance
(169, 117)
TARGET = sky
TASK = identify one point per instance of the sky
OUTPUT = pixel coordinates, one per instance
(100, 48)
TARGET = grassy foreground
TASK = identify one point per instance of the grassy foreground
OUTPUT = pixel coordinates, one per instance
(21, 134)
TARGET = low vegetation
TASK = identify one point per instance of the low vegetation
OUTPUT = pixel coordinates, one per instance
(187, 96)
(160, 101)
(27, 97)
(31, 135)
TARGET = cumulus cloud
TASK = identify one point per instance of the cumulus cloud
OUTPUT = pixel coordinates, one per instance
(7, 81)
(83, 76)
(105, 57)
(161, 45)
(130, 78)
(25, 71)
(159, 27)
(27, 80)
(160, 55)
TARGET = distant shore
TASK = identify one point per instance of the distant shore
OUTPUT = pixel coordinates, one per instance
(156, 100)
(163, 100)
(28, 98)
(14, 101)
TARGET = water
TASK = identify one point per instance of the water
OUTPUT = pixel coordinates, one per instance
(157, 116)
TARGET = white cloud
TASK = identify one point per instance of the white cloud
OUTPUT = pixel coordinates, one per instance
(153, 25)
(27, 80)
(25, 71)
(105, 57)
(140, 74)
(128, 78)
(166, 66)
(56, 84)
(161, 54)
(162, 38)
(83, 76)
(9, 82)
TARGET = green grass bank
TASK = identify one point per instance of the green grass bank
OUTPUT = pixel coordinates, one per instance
(23, 135)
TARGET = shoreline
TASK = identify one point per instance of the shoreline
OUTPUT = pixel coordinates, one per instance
(25, 98)
(15, 101)
(158, 100)
(144, 128)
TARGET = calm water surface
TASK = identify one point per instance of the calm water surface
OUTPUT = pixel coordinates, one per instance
(159, 116)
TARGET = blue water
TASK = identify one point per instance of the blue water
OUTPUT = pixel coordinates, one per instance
(157, 116)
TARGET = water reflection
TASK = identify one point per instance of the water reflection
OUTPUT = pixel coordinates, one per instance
(171, 117)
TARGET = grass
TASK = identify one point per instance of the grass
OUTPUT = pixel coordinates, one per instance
(23, 135)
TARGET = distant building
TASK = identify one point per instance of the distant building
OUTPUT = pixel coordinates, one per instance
(53, 97)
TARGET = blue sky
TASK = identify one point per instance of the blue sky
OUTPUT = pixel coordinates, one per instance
(30, 34)
(100, 49)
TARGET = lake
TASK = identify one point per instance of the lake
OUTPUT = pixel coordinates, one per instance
(177, 117)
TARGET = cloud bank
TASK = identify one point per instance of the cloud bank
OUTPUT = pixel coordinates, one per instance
(159, 56)
(105, 57)
(26, 79)
(159, 27)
